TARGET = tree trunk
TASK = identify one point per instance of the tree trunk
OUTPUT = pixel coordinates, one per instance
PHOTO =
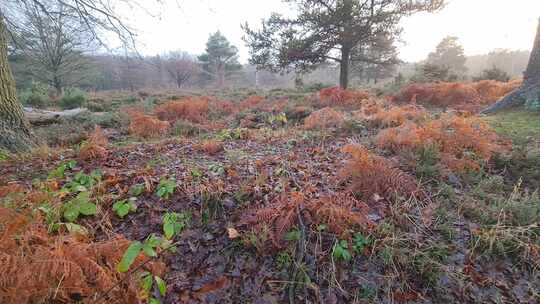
(221, 77)
(530, 89)
(344, 67)
(15, 133)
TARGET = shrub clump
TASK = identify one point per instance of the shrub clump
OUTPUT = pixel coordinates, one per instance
(146, 126)
(73, 98)
(470, 97)
(37, 96)
(341, 212)
(369, 175)
(95, 147)
(192, 109)
(41, 268)
(324, 118)
(464, 143)
(337, 96)
(398, 115)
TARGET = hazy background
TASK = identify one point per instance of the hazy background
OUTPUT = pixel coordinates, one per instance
(481, 25)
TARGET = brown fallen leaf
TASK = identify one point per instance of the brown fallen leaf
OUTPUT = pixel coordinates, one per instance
(220, 283)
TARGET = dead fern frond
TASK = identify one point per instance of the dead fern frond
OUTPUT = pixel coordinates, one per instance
(324, 118)
(368, 175)
(61, 268)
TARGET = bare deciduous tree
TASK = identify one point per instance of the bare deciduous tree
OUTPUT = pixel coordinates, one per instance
(54, 45)
(181, 67)
(95, 16)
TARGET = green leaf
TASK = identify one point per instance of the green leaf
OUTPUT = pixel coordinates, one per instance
(359, 243)
(146, 283)
(129, 256)
(341, 252)
(174, 223)
(168, 229)
(137, 190)
(124, 207)
(71, 212)
(71, 164)
(153, 301)
(148, 250)
(87, 209)
(153, 241)
(165, 188)
(162, 286)
(293, 235)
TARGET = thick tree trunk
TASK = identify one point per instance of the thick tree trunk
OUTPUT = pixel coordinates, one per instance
(344, 67)
(530, 90)
(15, 133)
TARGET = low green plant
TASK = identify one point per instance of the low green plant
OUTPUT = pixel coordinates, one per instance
(148, 248)
(4, 155)
(166, 188)
(137, 189)
(147, 282)
(124, 207)
(293, 235)
(174, 223)
(60, 171)
(360, 243)
(283, 260)
(532, 104)
(83, 182)
(367, 293)
(37, 96)
(73, 98)
(184, 128)
(216, 169)
(80, 205)
(340, 251)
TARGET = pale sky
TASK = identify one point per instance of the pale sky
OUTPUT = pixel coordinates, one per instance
(481, 25)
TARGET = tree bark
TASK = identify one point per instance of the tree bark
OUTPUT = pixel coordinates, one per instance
(15, 132)
(221, 77)
(344, 67)
(530, 89)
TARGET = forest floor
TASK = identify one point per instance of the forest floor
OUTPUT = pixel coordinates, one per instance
(291, 199)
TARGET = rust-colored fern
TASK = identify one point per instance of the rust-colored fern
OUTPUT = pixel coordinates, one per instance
(323, 118)
(369, 175)
(96, 146)
(38, 267)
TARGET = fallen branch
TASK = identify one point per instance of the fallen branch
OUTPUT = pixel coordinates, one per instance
(43, 117)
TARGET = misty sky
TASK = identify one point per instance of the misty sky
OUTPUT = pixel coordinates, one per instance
(481, 25)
